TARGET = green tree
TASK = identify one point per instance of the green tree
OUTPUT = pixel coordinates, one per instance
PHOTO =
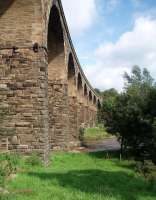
(132, 114)
(109, 99)
(97, 91)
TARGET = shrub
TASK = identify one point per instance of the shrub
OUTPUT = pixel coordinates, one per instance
(13, 160)
(152, 183)
(148, 170)
(132, 114)
(8, 165)
(34, 159)
(2, 175)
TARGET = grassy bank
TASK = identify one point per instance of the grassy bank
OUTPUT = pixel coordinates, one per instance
(96, 133)
(79, 177)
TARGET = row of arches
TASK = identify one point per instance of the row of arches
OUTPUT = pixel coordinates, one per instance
(56, 58)
(72, 101)
(77, 81)
(50, 96)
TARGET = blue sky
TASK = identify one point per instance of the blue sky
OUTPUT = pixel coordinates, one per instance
(110, 36)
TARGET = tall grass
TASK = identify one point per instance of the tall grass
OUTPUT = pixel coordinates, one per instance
(80, 177)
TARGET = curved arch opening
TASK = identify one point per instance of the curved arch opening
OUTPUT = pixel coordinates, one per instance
(56, 55)
(71, 77)
(94, 101)
(85, 90)
(79, 88)
(90, 96)
(79, 82)
(4, 6)
(71, 67)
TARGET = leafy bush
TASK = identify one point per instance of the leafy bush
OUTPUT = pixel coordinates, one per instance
(132, 115)
(8, 165)
(152, 183)
(148, 170)
(3, 174)
(4, 197)
(34, 160)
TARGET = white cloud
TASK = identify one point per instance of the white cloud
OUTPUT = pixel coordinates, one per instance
(104, 77)
(135, 47)
(80, 14)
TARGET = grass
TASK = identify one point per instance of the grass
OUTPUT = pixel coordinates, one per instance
(80, 177)
(97, 133)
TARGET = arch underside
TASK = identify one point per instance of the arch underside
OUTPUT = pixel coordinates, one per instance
(58, 97)
(56, 55)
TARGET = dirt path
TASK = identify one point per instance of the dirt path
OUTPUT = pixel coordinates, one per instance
(106, 145)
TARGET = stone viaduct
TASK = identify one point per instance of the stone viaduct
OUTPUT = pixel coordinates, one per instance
(42, 83)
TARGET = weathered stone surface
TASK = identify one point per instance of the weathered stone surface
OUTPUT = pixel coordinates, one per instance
(41, 80)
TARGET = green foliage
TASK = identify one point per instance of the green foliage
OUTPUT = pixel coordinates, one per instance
(148, 170)
(97, 91)
(132, 115)
(3, 173)
(81, 176)
(34, 160)
(108, 94)
(96, 133)
(109, 99)
(8, 165)
(138, 80)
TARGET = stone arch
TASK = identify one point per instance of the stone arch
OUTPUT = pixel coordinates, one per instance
(85, 90)
(71, 76)
(57, 81)
(94, 100)
(90, 96)
(4, 5)
(80, 100)
(55, 44)
(90, 108)
(85, 108)
(71, 67)
(79, 83)
(72, 102)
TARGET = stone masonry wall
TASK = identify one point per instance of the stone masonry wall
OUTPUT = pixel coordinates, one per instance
(73, 126)
(46, 110)
(20, 23)
(59, 116)
(23, 86)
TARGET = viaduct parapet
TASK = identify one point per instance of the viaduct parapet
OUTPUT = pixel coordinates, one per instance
(42, 84)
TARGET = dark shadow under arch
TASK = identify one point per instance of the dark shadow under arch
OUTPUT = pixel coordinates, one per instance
(4, 6)
(71, 77)
(94, 100)
(85, 90)
(90, 96)
(56, 55)
(71, 67)
(79, 82)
